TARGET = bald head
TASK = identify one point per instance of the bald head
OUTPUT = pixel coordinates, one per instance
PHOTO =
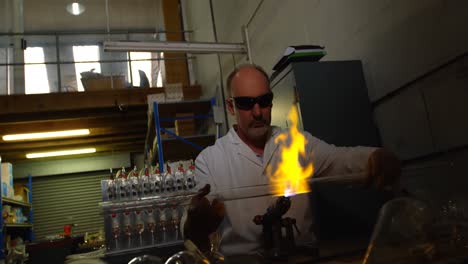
(245, 76)
(250, 82)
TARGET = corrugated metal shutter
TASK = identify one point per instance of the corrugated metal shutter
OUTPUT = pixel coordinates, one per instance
(56, 199)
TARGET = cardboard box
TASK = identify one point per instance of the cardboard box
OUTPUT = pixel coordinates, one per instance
(22, 191)
(192, 92)
(174, 92)
(103, 83)
(185, 127)
(7, 179)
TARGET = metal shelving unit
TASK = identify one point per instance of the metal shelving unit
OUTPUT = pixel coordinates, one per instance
(14, 202)
(163, 116)
(5, 226)
(17, 225)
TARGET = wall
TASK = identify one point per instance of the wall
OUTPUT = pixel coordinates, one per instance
(123, 14)
(202, 31)
(397, 41)
(71, 165)
(51, 15)
(5, 13)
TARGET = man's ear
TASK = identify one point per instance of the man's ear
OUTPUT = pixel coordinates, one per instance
(230, 106)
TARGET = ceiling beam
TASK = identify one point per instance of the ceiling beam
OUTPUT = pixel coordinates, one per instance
(33, 103)
(58, 115)
(63, 143)
(94, 124)
(131, 120)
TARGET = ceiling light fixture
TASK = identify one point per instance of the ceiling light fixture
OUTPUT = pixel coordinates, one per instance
(192, 47)
(60, 153)
(75, 8)
(46, 135)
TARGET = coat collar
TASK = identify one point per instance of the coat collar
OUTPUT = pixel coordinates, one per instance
(244, 150)
(235, 139)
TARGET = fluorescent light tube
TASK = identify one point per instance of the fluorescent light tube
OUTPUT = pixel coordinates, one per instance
(191, 47)
(46, 135)
(60, 153)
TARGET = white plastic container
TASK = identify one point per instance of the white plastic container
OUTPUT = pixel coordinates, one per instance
(169, 181)
(144, 181)
(155, 182)
(179, 177)
(190, 177)
(123, 186)
(134, 181)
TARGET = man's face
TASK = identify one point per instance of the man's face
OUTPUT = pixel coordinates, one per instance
(254, 123)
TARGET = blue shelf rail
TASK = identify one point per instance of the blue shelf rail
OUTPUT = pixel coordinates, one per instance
(31, 211)
(159, 129)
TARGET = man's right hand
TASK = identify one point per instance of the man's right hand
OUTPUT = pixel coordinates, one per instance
(383, 169)
(203, 218)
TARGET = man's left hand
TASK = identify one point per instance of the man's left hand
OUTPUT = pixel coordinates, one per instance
(383, 169)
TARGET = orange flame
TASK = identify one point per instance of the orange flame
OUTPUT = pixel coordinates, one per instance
(290, 178)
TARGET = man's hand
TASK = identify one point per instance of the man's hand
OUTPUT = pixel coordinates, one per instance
(203, 218)
(383, 169)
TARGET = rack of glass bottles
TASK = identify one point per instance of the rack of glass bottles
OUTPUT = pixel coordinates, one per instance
(142, 208)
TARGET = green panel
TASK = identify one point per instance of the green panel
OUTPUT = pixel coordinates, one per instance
(66, 199)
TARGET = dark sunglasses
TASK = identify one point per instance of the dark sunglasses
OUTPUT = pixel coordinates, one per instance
(247, 102)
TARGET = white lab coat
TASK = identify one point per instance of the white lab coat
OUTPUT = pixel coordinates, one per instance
(231, 164)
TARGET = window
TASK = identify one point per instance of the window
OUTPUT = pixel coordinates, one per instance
(35, 71)
(86, 59)
(152, 68)
(45, 72)
(160, 64)
(140, 61)
(5, 80)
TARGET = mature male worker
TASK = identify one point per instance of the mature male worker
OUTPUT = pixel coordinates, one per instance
(239, 159)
